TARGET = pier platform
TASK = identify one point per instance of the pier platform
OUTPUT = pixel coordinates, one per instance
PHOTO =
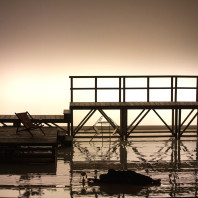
(48, 120)
(22, 146)
(133, 105)
(173, 90)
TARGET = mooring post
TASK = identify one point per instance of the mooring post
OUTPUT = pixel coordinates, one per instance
(197, 101)
(123, 155)
(179, 154)
(175, 152)
(123, 123)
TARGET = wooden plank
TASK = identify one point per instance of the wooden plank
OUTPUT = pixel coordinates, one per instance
(67, 111)
(117, 105)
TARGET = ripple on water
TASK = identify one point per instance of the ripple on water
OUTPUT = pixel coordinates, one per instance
(176, 167)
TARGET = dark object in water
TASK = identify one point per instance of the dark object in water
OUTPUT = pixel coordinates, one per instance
(124, 177)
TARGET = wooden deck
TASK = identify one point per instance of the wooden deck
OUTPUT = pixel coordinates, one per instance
(48, 120)
(133, 105)
(8, 137)
(37, 118)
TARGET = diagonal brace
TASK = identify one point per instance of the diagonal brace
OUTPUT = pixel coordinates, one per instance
(187, 117)
(85, 119)
(163, 121)
(4, 124)
(188, 124)
(109, 120)
(136, 119)
(138, 123)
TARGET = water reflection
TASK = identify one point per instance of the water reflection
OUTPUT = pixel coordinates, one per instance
(174, 162)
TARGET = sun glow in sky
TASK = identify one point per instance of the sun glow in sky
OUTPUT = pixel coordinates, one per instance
(45, 42)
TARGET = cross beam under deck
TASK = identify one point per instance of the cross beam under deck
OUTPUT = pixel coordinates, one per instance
(176, 108)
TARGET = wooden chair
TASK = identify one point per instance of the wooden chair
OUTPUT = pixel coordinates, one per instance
(27, 120)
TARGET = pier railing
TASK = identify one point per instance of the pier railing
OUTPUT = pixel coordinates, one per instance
(121, 87)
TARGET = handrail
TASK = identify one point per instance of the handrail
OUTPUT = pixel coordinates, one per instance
(122, 85)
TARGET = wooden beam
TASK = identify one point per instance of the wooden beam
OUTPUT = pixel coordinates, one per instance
(120, 89)
(124, 90)
(138, 123)
(123, 123)
(83, 122)
(189, 123)
(163, 121)
(96, 89)
(71, 89)
(136, 119)
(148, 90)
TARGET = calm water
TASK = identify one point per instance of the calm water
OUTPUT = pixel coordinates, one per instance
(175, 163)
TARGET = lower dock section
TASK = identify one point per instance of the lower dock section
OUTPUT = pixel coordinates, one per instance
(22, 146)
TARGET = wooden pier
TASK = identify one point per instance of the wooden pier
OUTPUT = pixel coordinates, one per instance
(19, 146)
(48, 120)
(177, 126)
(8, 137)
(54, 132)
(122, 102)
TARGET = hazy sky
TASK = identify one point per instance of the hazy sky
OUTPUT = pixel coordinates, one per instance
(42, 42)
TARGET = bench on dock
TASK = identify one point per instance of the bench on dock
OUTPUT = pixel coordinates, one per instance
(49, 120)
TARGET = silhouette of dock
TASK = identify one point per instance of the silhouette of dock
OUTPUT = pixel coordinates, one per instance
(23, 145)
(177, 126)
(123, 102)
(8, 137)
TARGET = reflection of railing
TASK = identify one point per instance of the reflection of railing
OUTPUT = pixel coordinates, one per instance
(122, 86)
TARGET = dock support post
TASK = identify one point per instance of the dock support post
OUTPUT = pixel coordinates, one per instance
(179, 124)
(176, 123)
(72, 123)
(197, 122)
(175, 152)
(173, 121)
(123, 155)
(123, 123)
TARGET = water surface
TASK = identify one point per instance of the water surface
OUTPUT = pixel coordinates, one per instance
(174, 162)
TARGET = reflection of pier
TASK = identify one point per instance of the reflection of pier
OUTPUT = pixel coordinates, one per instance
(176, 105)
(156, 161)
(159, 166)
(167, 160)
(48, 168)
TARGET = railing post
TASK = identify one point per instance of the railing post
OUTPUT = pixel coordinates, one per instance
(173, 111)
(171, 89)
(176, 89)
(71, 89)
(176, 110)
(197, 91)
(95, 89)
(124, 89)
(120, 84)
(148, 85)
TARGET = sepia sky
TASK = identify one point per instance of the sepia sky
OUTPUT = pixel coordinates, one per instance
(42, 42)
